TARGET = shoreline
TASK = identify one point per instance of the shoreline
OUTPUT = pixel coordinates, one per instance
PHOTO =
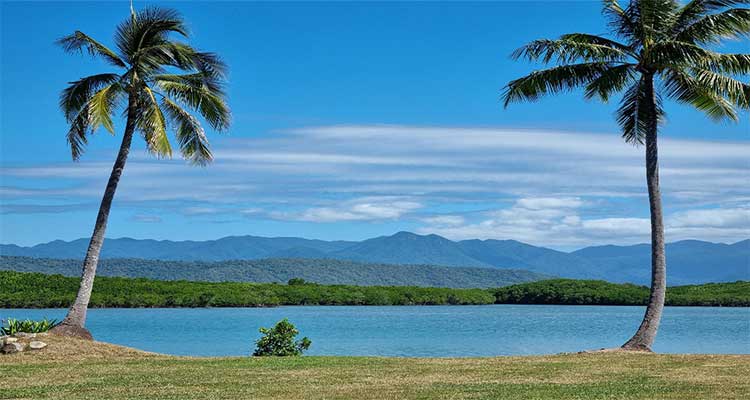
(371, 306)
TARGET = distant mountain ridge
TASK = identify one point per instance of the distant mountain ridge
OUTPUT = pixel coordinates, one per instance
(688, 262)
(227, 248)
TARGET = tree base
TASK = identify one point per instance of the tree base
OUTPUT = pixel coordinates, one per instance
(616, 350)
(636, 347)
(67, 330)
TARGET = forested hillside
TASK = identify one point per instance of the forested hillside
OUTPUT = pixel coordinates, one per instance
(323, 271)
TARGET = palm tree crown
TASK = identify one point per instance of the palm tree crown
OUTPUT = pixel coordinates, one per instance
(659, 39)
(156, 97)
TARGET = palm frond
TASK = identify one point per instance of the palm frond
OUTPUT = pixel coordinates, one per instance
(611, 81)
(198, 96)
(655, 17)
(210, 64)
(79, 41)
(102, 104)
(78, 93)
(190, 135)
(149, 27)
(620, 19)
(85, 122)
(566, 51)
(598, 40)
(633, 115)
(553, 80)
(730, 24)
(152, 124)
(670, 53)
(76, 135)
(198, 80)
(181, 56)
(705, 93)
(153, 59)
(735, 90)
(674, 54)
(696, 9)
(735, 64)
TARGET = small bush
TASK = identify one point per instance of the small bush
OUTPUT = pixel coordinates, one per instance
(279, 341)
(11, 326)
(296, 281)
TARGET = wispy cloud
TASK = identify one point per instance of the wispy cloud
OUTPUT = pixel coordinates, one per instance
(533, 185)
(27, 208)
(364, 209)
(444, 220)
(563, 223)
(145, 218)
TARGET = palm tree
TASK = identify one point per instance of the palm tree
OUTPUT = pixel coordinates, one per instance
(663, 51)
(160, 79)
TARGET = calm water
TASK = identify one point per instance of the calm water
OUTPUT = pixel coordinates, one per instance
(434, 331)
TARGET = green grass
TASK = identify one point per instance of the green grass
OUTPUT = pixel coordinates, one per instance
(114, 372)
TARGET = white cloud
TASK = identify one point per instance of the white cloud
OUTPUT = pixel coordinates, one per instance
(721, 224)
(561, 224)
(608, 228)
(445, 220)
(541, 203)
(715, 218)
(26, 208)
(559, 184)
(145, 218)
(456, 164)
(250, 212)
(367, 209)
(201, 210)
(608, 145)
(538, 220)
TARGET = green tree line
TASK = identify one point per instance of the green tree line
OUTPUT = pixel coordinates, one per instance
(35, 290)
(591, 292)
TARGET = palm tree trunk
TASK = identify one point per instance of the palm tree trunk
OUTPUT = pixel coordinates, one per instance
(646, 334)
(73, 324)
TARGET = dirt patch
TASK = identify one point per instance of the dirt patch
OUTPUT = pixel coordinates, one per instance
(72, 349)
(72, 331)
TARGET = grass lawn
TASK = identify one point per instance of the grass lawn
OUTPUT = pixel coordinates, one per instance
(73, 369)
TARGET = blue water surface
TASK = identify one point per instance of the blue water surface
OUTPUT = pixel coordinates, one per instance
(415, 331)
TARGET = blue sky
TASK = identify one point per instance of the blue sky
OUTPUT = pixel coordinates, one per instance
(353, 120)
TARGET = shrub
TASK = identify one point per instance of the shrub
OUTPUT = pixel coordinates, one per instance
(279, 341)
(11, 326)
(296, 281)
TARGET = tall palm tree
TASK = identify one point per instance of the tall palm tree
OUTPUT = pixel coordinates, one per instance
(657, 48)
(159, 81)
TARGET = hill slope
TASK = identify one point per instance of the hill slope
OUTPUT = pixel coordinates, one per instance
(688, 261)
(410, 248)
(281, 270)
(526, 256)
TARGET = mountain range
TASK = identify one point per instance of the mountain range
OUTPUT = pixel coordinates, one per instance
(688, 262)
